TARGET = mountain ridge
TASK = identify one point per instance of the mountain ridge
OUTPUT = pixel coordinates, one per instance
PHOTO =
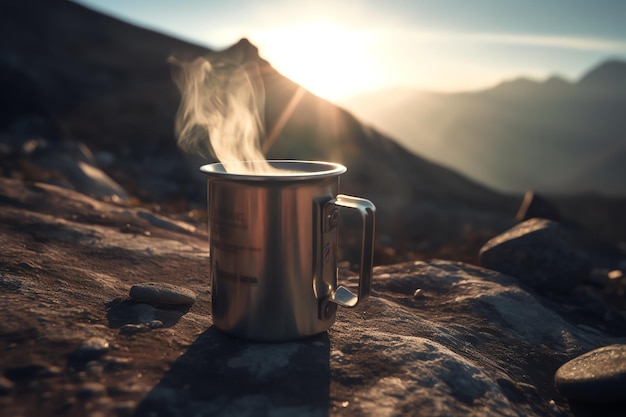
(519, 134)
(611, 72)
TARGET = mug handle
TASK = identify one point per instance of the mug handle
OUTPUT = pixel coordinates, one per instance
(343, 296)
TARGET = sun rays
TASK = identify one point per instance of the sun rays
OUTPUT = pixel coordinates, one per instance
(330, 60)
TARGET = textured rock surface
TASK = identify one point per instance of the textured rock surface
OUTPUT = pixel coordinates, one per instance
(598, 376)
(469, 342)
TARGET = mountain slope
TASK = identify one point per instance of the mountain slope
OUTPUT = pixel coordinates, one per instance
(552, 136)
(74, 74)
(96, 75)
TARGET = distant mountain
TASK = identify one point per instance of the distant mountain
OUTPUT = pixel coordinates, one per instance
(553, 136)
(609, 75)
(70, 73)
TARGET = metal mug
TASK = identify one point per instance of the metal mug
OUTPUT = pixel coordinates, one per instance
(273, 249)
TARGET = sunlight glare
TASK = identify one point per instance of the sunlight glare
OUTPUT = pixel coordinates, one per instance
(330, 60)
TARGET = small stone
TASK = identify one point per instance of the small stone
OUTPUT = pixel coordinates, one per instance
(91, 349)
(117, 363)
(155, 324)
(52, 371)
(129, 329)
(6, 385)
(94, 368)
(162, 293)
(418, 293)
(90, 390)
(598, 376)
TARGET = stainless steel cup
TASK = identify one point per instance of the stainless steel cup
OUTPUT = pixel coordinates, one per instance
(273, 249)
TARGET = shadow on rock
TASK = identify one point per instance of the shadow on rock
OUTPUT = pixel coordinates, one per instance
(593, 410)
(223, 376)
(122, 314)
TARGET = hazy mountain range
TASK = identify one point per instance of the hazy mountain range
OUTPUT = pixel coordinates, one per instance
(72, 74)
(554, 136)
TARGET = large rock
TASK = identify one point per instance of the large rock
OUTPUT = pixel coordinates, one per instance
(543, 254)
(598, 376)
(67, 164)
(470, 342)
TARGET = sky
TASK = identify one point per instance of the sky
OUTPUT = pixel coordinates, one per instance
(338, 49)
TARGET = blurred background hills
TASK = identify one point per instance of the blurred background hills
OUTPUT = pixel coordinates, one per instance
(554, 135)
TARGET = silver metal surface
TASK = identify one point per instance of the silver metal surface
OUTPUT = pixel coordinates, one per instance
(342, 295)
(273, 249)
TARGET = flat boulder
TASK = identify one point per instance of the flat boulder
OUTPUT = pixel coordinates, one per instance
(598, 376)
(541, 253)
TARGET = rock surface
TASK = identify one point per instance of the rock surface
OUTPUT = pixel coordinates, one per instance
(598, 376)
(471, 341)
(90, 349)
(162, 293)
(541, 253)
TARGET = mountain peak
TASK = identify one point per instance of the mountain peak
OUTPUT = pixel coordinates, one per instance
(244, 50)
(515, 86)
(608, 74)
(557, 81)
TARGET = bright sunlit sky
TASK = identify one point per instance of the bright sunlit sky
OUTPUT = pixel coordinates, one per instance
(337, 49)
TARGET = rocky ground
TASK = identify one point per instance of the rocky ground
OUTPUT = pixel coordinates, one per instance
(95, 200)
(435, 338)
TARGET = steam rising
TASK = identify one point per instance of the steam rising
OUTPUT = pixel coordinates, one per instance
(221, 113)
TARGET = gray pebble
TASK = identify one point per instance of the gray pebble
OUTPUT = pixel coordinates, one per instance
(598, 376)
(133, 329)
(114, 364)
(92, 348)
(155, 324)
(94, 368)
(162, 293)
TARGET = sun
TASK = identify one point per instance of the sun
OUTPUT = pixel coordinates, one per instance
(330, 60)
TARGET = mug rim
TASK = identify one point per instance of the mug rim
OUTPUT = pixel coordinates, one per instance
(303, 170)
